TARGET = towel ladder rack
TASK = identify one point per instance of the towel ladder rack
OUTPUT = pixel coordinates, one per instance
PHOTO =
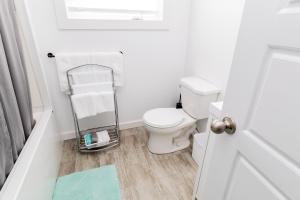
(113, 130)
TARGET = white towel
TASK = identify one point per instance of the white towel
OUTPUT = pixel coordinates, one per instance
(103, 137)
(67, 61)
(91, 75)
(92, 87)
(93, 103)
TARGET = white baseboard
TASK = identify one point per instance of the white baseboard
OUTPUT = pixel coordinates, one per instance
(68, 135)
(131, 124)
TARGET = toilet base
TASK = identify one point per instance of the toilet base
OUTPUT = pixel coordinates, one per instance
(162, 143)
(155, 151)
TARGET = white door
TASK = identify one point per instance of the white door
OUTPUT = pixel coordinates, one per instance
(261, 161)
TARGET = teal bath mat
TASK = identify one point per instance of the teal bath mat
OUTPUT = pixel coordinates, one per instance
(95, 184)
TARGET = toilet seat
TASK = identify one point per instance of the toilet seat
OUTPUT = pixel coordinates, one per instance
(163, 117)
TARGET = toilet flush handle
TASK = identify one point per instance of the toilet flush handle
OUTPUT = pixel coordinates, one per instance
(226, 125)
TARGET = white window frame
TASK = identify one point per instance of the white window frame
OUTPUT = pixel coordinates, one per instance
(68, 23)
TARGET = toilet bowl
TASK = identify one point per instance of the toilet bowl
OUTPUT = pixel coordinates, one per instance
(169, 129)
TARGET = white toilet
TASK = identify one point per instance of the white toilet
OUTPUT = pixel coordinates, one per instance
(170, 128)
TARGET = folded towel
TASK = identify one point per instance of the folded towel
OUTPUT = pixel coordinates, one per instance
(88, 139)
(91, 75)
(92, 103)
(92, 87)
(100, 137)
(67, 61)
(103, 137)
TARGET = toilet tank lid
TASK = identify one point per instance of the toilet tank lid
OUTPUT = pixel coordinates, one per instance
(199, 85)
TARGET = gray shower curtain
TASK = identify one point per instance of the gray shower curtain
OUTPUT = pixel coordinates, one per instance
(16, 120)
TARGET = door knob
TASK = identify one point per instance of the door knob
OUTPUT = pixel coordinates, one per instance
(226, 125)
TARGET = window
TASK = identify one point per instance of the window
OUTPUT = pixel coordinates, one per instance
(115, 9)
(112, 14)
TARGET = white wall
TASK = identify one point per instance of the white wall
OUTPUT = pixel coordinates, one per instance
(154, 60)
(212, 38)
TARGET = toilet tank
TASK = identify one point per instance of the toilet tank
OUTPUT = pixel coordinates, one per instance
(196, 95)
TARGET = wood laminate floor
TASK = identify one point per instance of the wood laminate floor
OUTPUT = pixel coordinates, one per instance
(142, 175)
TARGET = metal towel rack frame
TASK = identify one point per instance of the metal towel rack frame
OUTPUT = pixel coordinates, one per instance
(51, 55)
